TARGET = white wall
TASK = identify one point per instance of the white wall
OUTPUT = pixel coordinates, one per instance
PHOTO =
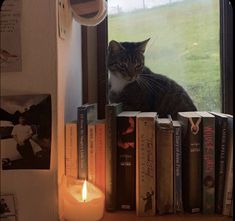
(50, 65)
(70, 85)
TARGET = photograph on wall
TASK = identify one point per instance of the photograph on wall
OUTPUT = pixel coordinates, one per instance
(25, 131)
(10, 30)
(7, 207)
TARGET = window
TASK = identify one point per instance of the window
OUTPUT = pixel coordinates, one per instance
(184, 42)
(219, 45)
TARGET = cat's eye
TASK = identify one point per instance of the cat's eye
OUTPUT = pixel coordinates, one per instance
(138, 66)
(122, 65)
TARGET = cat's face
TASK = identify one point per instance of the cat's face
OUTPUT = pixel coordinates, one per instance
(126, 59)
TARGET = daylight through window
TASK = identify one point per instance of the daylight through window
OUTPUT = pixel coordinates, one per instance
(184, 41)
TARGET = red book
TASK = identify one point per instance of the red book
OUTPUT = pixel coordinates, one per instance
(100, 154)
(91, 152)
(208, 162)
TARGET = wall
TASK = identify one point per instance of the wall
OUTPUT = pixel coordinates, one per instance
(69, 84)
(50, 65)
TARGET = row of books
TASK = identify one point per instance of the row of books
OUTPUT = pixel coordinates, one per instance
(85, 146)
(143, 162)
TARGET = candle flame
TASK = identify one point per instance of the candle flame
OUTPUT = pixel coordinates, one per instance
(84, 191)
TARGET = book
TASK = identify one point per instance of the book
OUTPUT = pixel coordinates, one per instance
(191, 161)
(71, 150)
(100, 154)
(91, 152)
(231, 210)
(126, 160)
(165, 195)
(208, 162)
(146, 164)
(228, 188)
(220, 158)
(111, 112)
(86, 114)
(177, 151)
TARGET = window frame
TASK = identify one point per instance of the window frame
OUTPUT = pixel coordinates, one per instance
(226, 55)
(226, 61)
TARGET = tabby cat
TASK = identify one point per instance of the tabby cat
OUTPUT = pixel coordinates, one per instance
(137, 87)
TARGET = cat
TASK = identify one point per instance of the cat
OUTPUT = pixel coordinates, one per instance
(137, 87)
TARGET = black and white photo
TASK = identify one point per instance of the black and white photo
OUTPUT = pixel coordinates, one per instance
(25, 131)
(7, 207)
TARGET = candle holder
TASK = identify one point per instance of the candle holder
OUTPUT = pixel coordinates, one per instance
(78, 206)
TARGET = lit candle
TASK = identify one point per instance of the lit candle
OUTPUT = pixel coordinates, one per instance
(82, 201)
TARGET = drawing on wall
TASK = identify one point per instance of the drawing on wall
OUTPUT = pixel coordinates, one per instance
(7, 207)
(10, 29)
(25, 131)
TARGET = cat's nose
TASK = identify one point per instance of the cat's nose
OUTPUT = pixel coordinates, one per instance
(131, 76)
(131, 73)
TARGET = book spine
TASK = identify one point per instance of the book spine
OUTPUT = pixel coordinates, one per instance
(165, 181)
(146, 167)
(192, 164)
(221, 165)
(111, 157)
(100, 156)
(91, 153)
(228, 189)
(178, 203)
(71, 161)
(126, 162)
(231, 210)
(82, 144)
(208, 170)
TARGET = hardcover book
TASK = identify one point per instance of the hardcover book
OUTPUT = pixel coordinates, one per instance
(228, 188)
(91, 152)
(191, 161)
(165, 195)
(126, 160)
(220, 158)
(208, 162)
(100, 154)
(111, 112)
(71, 150)
(86, 114)
(146, 164)
(177, 150)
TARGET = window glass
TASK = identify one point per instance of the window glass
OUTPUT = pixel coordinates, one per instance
(184, 41)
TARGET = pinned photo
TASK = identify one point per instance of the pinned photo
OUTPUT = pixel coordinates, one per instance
(7, 207)
(25, 131)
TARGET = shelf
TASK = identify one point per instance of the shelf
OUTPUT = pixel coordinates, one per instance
(131, 216)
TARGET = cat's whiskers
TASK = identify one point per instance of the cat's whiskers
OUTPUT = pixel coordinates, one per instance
(147, 86)
(161, 83)
(152, 83)
(139, 84)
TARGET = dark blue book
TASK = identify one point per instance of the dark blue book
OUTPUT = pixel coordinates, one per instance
(86, 114)
(177, 143)
(221, 122)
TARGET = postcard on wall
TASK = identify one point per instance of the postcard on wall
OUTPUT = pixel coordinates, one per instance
(7, 207)
(25, 131)
(10, 30)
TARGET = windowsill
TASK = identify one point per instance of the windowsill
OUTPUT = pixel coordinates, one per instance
(131, 216)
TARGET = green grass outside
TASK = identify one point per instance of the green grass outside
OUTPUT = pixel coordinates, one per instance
(184, 45)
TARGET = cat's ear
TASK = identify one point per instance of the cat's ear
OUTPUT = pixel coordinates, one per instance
(142, 45)
(114, 46)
